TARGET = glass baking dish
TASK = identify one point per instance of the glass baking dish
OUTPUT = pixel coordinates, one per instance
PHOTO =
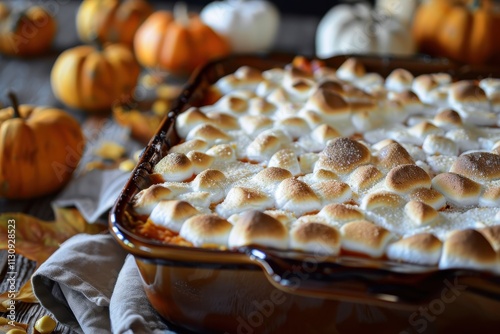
(257, 290)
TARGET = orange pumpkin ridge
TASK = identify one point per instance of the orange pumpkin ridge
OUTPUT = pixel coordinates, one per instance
(93, 80)
(177, 42)
(26, 33)
(39, 150)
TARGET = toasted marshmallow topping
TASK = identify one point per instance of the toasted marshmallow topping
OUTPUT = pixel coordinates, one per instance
(255, 124)
(175, 167)
(405, 178)
(189, 119)
(240, 199)
(296, 196)
(208, 133)
(172, 214)
(458, 190)
(147, 199)
(490, 197)
(256, 228)
(478, 166)
(424, 129)
(212, 181)
(468, 249)
(420, 213)
(364, 177)
(365, 237)
(393, 155)
(206, 230)
(222, 152)
(340, 213)
(232, 104)
(260, 106)
(381, 199)
(286, 159)
(272, 175)
(294, 127)
(436, 144)
(468, 93)
(315, 237)
(428, 196)
(190, 145)
(343, 155)
(331, 106)
(332, 85)
(351, 69)
(223, 121)
(308, 147)
(399, 80)
(332, 191)
(200, 161)
(264, 146)
(422, 248)
(448, 119)
(492, 234)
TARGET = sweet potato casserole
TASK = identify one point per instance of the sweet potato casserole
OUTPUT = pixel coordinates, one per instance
(336, 161)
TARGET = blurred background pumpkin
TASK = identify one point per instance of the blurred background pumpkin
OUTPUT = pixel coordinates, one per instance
(40, 147)
(177, 41)
(462, 30)
(26, 32)
(87, 78)
(111, 21)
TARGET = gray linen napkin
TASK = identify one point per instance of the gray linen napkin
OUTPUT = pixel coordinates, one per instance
(87, 285)
(93, 193)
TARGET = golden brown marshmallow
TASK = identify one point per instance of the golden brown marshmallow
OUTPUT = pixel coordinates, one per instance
(423, 248)
(256, 228)
(343, 155)
(365, 237)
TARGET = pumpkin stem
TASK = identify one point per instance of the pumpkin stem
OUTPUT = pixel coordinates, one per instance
(15, 104)
(181, 14)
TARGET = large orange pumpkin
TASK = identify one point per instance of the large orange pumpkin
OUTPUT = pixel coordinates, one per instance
(39, 149)
(87, 78)
(458, 29)
(26, 33)
(111, 21)
(177, 42)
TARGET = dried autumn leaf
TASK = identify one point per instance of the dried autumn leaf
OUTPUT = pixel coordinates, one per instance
(36, 239)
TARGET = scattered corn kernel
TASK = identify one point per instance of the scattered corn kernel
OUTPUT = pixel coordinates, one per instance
(160, 107)
(151, 80)
(16, 331)
(110, 150)
(95, 165)
(127, 165)
(168, 92)
(45, 325)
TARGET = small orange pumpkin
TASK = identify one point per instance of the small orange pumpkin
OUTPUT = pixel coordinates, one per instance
(461, 30)
(87, 78)
(26, 33)
(177, 41)
(112, 21)
(40, 147)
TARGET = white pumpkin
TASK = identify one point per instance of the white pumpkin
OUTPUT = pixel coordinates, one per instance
(356, 29)
(250, 26)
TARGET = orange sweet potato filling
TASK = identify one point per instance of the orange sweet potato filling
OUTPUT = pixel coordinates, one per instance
(152, 231)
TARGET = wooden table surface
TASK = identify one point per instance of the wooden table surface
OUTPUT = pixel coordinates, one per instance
(29, 79)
